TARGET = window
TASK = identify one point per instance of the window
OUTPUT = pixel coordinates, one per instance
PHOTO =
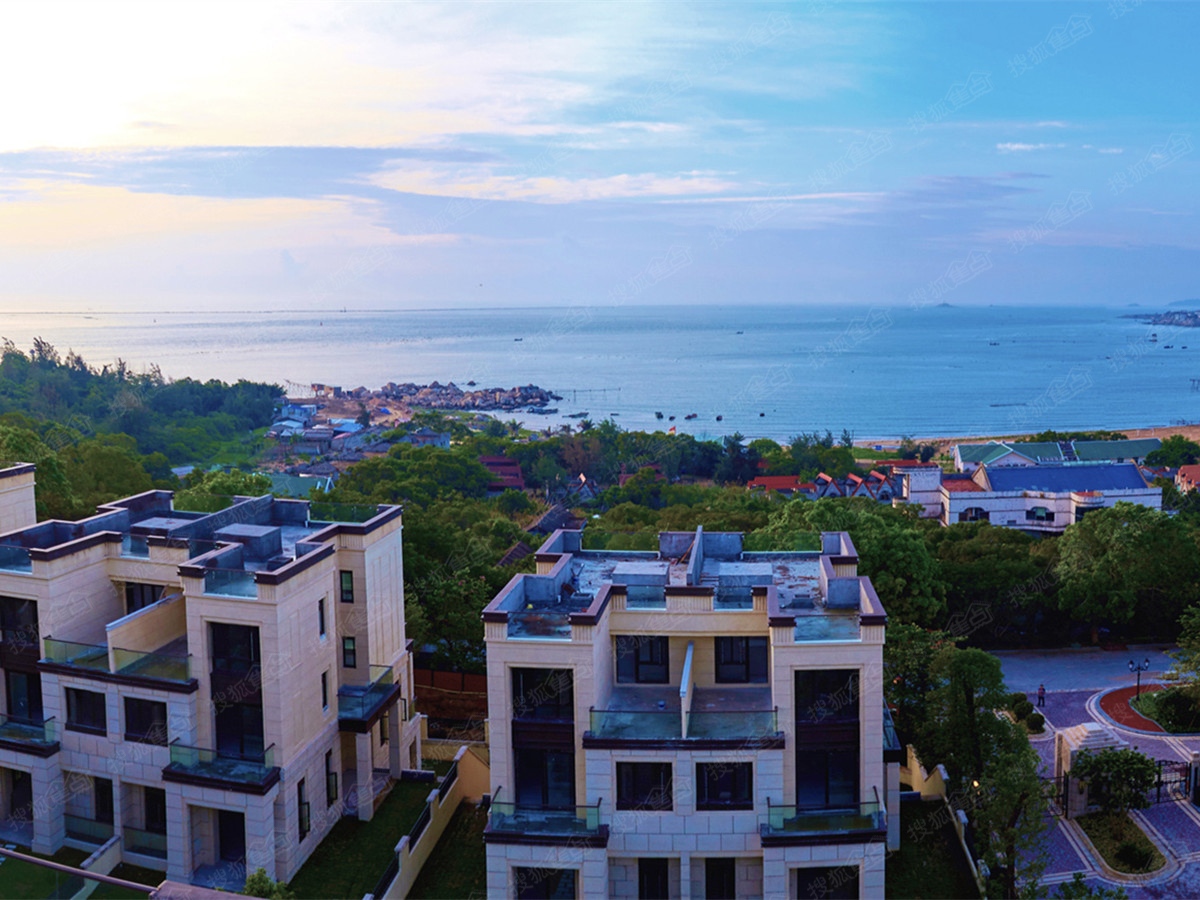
(139, 596)
(827, 882)
(321, 617)
(654, 878)
(324, 690)
(826, 696)
(302, 808)
(145, 721)
(347, 587)
(543, 694)
(741, 660)
(974, 514)
(1039, 514)
(543, 884)
(827, 777)
(19, 624)
(85, 711)
(234, 647)
(331, 792)
(724, 786)
(103, 792)
(644, 786)
(720, 878)
(643, 659)
(154, 802)
(383, 727)
(349, 653)
(545, 778)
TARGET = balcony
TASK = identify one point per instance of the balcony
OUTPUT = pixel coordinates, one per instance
(39, 738)
(230, 583)
(800, 825)
(539, 624)
(514, 823)
(636, 725)
(249, 774)
(740, 715)
(88, 830)
(135, 546)
(147, 843)
(93, 657)
(827, 625)
(161, 666)
(15, 559)
(359, 704)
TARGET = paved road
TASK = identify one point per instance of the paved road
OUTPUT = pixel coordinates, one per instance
(1088, 668)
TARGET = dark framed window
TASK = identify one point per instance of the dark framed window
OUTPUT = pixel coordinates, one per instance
(383, 728)
(741, 660)
(154, 804)
(302, 808)
(833, 883)
(643, 659)
(827, 777)
(324, 690)
(544, 778)
(1039, 514)
(974, 514)
(654, 878)
(644, 786)
(145, 721)
(720, 878)
(825, 696)
(724, 786)
(543, 694)
(234, 647)
(321, 617)
(331, 780)
(139, 596)
(349, 653)
(19, 625)
(544, 884)
(85, 711)
(347, 586)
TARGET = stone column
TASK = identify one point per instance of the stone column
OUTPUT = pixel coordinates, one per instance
(49, 806)
(364, 776)
(395, 728)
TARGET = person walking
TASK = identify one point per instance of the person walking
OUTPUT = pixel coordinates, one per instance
(1041, 695)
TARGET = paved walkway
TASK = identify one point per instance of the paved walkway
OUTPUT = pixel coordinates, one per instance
(1075, 681)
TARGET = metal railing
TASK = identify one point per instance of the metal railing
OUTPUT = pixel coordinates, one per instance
(147, 843)
(83, 656)
(28, 731)
(448, 780)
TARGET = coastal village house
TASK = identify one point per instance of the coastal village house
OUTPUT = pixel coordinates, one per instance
(698, 721)
(215, 689)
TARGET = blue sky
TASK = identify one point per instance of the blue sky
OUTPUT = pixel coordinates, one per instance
(462, 155)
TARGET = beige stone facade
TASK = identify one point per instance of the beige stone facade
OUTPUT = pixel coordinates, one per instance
(696, 722)
(217, 689)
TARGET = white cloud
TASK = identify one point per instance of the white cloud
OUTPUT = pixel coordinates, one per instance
(1113, 150)
(1017, 147)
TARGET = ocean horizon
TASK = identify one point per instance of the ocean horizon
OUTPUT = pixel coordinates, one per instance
(766, 371)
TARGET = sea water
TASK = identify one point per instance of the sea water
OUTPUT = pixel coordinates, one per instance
(765, 371)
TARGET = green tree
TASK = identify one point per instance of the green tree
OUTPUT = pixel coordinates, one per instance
(1175, 451)
(1117, 778)
(54, 495)
(209, 491)
(908, 656)
(1010, 809)
(103, 469)
(962, 730)
(260, 884)
(1124, 561)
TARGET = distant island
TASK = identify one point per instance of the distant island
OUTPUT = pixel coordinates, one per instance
(1182, 318)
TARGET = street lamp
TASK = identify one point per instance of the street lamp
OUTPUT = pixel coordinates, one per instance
(1141, 667)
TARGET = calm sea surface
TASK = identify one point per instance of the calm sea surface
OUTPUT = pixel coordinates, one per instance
(765, 371)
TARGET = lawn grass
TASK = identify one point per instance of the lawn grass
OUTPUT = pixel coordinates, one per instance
(354, 854)
(20, 879)
(457, 868)
(150, 877)
(930, 862)
(1121, 842)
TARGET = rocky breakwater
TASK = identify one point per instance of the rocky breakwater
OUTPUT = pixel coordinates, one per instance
(451, 396)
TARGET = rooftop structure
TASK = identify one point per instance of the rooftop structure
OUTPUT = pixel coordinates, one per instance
(696, 721)
(217, 689)
(995, 454)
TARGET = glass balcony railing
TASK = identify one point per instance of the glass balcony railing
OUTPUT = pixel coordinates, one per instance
(82, 656)
(15, 559)
(28, 731)
(827, 626)
(645, 596)
(147, 843)
(733, 724)
(89, 830)
(891, 740)
(200, 761)
(152, 665)
(797, 820)
(136, 546)
(733, 598)
(515, 818)
(539, 624)
(230, 583)
(637, 725)
(360, 701)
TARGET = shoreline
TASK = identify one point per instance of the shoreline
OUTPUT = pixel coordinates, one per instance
(1190, 431)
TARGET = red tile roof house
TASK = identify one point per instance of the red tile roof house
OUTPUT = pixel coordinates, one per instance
(507, 474)
(1187, 478)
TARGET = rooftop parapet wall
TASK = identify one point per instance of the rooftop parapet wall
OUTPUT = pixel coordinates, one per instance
(18, 508)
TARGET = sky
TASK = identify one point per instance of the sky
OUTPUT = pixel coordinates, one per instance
(460, 155)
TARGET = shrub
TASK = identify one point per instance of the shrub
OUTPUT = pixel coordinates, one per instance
(1134, 855)
(1022, 710)
(1015, 698)
(1035, 722)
